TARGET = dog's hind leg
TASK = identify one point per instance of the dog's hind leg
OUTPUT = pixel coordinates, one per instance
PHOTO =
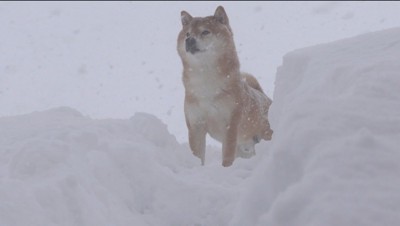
(268, 131)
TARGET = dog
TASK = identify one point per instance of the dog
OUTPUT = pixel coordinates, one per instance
(221, 101)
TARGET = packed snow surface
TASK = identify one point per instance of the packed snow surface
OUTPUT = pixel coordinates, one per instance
(334, 158)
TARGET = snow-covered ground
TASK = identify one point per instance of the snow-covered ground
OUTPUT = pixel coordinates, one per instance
(333, 160)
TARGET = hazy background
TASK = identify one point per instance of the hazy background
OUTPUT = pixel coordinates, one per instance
(112, 59)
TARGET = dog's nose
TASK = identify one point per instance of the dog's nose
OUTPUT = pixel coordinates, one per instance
(191, 45)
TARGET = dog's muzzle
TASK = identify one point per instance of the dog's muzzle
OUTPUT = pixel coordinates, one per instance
(191, 45)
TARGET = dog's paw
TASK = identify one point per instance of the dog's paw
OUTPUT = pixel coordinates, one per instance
(196, 154)
(227, 162)
(245, 151)
(245, 154)
(200, 156)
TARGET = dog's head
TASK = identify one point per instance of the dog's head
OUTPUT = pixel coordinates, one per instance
(204, 35)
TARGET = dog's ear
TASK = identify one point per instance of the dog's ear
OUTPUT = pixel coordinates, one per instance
(186, 18)
(220, 15)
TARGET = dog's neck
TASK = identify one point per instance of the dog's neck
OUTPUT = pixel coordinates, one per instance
(213, 63)
(207, 75)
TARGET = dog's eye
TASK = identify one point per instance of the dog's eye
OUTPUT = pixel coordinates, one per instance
(204, 33)
(187, 34)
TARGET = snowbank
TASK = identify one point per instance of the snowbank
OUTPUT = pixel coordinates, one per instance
(335, 156)
(59, 167)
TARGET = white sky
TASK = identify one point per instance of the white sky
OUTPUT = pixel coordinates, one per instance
(112, 59)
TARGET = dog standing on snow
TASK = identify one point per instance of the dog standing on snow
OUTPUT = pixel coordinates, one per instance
(219, 99)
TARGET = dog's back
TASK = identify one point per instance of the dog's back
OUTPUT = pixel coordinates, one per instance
(251, 81)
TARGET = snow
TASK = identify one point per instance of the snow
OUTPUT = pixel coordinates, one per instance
(333, 159)
(58, 167)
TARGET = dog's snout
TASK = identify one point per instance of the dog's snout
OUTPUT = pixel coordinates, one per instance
(190, 42)
(191, 45)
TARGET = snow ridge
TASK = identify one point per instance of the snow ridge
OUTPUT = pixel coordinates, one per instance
(334, 155)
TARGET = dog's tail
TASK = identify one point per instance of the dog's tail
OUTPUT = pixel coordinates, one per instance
(252, 81)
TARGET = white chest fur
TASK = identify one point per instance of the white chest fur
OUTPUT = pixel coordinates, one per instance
(204, 76)
(205, 85)
(213, 106)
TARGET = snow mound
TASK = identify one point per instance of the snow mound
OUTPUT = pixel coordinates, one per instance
(59, 167)
(335, 151)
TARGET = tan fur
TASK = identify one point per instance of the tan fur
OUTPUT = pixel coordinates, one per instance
(219, 100)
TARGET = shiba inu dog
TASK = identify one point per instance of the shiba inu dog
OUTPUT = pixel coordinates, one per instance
(220, 100)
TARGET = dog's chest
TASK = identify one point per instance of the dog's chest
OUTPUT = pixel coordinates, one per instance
(214, 104)
(205, 85)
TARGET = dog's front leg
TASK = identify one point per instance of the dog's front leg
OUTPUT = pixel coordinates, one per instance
(230, 141)
(196, 124)
(197, 140)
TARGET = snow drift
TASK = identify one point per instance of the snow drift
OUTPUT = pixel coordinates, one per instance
(333, 160)
(335, 152)
(59, 167)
